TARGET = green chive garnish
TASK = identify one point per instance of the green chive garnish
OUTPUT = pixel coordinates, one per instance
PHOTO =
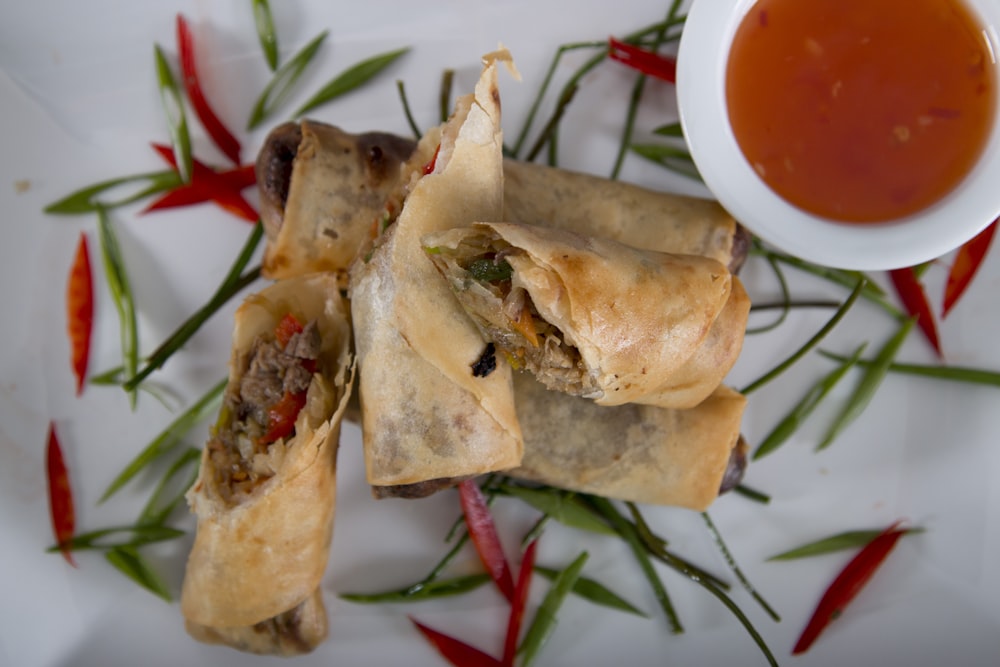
(121, 295)
(280, 87)
(351, 78)
(173, 107)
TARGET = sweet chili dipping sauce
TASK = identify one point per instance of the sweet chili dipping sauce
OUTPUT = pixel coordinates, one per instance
(861, 110)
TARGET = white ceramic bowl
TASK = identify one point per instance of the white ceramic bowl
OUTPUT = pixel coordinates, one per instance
(701, 75)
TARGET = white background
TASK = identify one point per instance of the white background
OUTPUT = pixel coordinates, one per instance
(79, 103)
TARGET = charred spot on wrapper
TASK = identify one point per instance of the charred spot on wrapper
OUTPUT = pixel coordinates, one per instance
(487, 362)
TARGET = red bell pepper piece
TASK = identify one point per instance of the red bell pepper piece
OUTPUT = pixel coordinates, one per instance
(914, 299)
(224, 188)
(455, 651)
(967, 262)
(429, 167)
(80, 311)
(282, 415)
(483, 532)
(642, 60)
(848, 584)
(287, 327)
(518, 604)
(60, 495)
(221, 136)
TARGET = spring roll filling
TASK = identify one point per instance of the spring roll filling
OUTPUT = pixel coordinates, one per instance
(260, 410)
(487, 285)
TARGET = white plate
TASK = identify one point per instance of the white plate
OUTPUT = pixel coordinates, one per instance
(79, 103)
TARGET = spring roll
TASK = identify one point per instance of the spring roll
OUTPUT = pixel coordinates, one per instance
(596, 318)
(265, 494)
(322, 191)
(537, 194)
(428, 419)
(640, 453)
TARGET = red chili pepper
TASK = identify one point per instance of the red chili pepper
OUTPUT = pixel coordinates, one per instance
(455, 651)
(914, 299)
(967, 262)
(429, 167)
(222, 137)
(518, 604)
(282, 415)
(848, 584)
(647, 62)
(80, 311)
(224, 188)
(484, 536)
(60, 494)
(287, 327)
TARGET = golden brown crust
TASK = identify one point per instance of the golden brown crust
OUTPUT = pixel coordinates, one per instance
(540, 195)
(294, 632)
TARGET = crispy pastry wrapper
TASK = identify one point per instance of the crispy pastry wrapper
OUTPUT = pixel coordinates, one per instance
(294, 632)
(537, 194)
(425, 416)
(319, 213)
(322, 189)
(640, 453)
(615, 324)
(262, 553)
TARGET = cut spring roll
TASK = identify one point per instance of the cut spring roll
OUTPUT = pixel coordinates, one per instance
(595, 318)
(641, 453)
(322, 192)
(428, 417)
(265, 493)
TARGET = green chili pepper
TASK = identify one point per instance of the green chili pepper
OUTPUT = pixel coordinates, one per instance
(544, 622)
(141, 534)
(121, 295)
(84, 199)
(595, 592)
(868, 385)
(488, 271)
(670, 130)
(423, 591)
(629, 533)
(953, 373)
(401, 87)
(444, 95)
(173, 107)
(805, 407)
(728, 556)
(851, 539)
(128, 561)
(786, 298)
(234, 282)
(810, 344)
(280, 87)
(560, 505)
(674, 158)
(170, 437)
(156, 512)
(266, 34)
(351, 78)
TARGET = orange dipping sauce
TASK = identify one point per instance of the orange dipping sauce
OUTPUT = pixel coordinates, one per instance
(861, 110)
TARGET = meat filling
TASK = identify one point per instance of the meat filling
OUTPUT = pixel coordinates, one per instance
(274, 379)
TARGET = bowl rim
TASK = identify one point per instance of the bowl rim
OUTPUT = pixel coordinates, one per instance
(701, 69)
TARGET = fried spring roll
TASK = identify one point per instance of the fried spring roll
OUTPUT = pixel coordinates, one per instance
(596, 318)
(640, 453)
(322, 192)
(427, 418)
(265, 493)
